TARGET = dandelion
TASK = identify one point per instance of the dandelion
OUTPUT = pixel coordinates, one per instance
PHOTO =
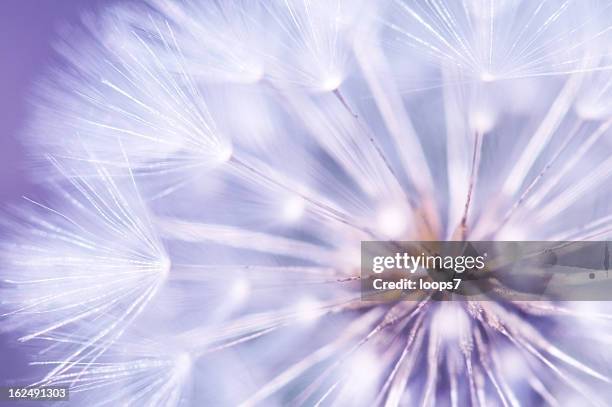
(93, 257)
(130, 101)
(130, 371)
(260, 143)
(488, 41)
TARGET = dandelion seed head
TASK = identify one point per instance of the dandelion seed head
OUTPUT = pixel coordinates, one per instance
(332, 82)
(303, 128)
(98, 246)
(182, 365)
(133, 108)
(227, 49)
(500, 40)
(308, 310)
(392, 221)
(312, 40)
(482, 120)
(293, 208)
(165, 265)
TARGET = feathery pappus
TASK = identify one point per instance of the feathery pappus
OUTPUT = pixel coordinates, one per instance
(220, 163)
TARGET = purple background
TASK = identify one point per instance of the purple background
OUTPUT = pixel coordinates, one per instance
(27, 31)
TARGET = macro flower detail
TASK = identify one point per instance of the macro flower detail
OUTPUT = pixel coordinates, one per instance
(215, 166)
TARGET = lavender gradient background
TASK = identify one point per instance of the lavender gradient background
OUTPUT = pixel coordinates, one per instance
(27, 31)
